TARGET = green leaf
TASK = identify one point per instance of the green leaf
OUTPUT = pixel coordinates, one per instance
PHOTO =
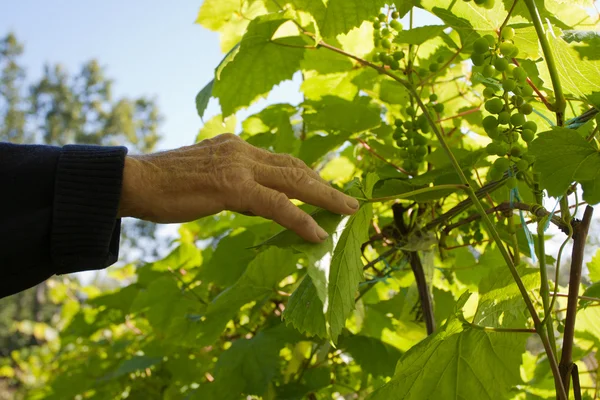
(339, 16)
(272, 129)
(500, 301)
(419, 35)
(338, 115)
(203, 97)
(579, 161)
(594, 267)
(579, 75)
(457, 362)
(135, 363)
(304, 310)
(259, 64)
(260, 279)
(216, 126)
(374, 356)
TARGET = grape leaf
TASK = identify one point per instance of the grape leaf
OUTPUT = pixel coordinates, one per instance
(594, 268)
(304, 310)
(338, 115)
(374, 356)
(579, 161)
(216, 126)
(203, 97)
(339, 16)
(135, 363)
(259, 64)
(259, 279)
(419, 35)
(457, 362)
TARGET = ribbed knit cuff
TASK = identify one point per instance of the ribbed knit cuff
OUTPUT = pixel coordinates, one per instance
(85, 228)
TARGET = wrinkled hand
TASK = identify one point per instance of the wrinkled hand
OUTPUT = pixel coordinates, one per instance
(226, 173)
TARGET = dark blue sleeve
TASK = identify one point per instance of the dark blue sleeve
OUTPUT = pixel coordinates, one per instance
(58, 211)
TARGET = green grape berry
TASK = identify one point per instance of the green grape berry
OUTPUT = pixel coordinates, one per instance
(489, 4)
(508, 85)
(488, 92)
(410, 111)
(488, 71)
(434, 67)
(512, 182)
(395, 65)
(407, 124)
(385, 32)
(395, 14)
(433, 97)
(478, 59)
(519, 74)
(386, 44)
(490, 122)
(494, 106)
(501, 64)
(527, 135)
(490, 39)
(517, 119)
(526, 108)
(440, 60)
(532, 126)
(508, 50)
(492, 149)
(504, 118)
(522, 165)
(495, 174)
(517, 100)
(398, 55)
(377, 25)
(439, 107)
(501, 164)
(481, 46)
(507, 33)
(382, 17)
(421, 151)
(516, 151)
(422, 72)
(526, 91)
(396, 25)
(420, 140)
(403, 153)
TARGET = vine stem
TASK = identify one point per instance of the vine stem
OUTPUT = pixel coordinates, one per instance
(408, 195)
(370, 150)
(560, 103)
(580, 235)
(421, 282)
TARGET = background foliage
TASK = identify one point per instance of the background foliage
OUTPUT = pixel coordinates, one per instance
(415, 296)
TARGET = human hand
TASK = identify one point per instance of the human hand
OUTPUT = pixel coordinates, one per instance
(226, 173)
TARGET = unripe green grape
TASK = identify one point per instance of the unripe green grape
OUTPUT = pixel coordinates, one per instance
(478, 59)
(481, 46)
(504, 117)
(420, 140)
(510, 69)
(517, 100)
(490, 39)
(398, 55)
(396, 25)
(422, 72)
(410, 111)
(488, 71)
(440, 60)
(479, 2)
(385, 32)
(501, 64)
(409, 165)
(490, 122)
(433, 67)
(494, 106)
(517, 119)
(526, 91)
(489, 4)
(507, 33)
(395, 14)
(515, 151)
(512, 182)
(526, 109)
(527, 135)
(488, 92)
(519, 74)
(522, 165)
(425, 128)
(421, 151)
(408, 125)
(377, 25)
(382, 17)
(508, 85)
(491, 149)
(493, 134)
(403, 153)
(395, 65)
(376, 57)
(439, 107)
(495, 173)
(398, 122)
(517, 90)
(397, 135)
(386, 44)
(502, 164)
(508, 49)
(433, 97)
(532, 126)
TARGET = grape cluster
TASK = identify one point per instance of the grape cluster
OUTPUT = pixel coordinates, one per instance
(507, 101)
(410, 134)
(489, 4)
(385, 30)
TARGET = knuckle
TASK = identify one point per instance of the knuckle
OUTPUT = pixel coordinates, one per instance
(279, 200)
(298, 176)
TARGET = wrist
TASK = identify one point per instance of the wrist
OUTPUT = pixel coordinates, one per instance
(129, 203)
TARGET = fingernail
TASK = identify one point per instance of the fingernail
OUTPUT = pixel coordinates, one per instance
(352, 203)
(321, 233)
